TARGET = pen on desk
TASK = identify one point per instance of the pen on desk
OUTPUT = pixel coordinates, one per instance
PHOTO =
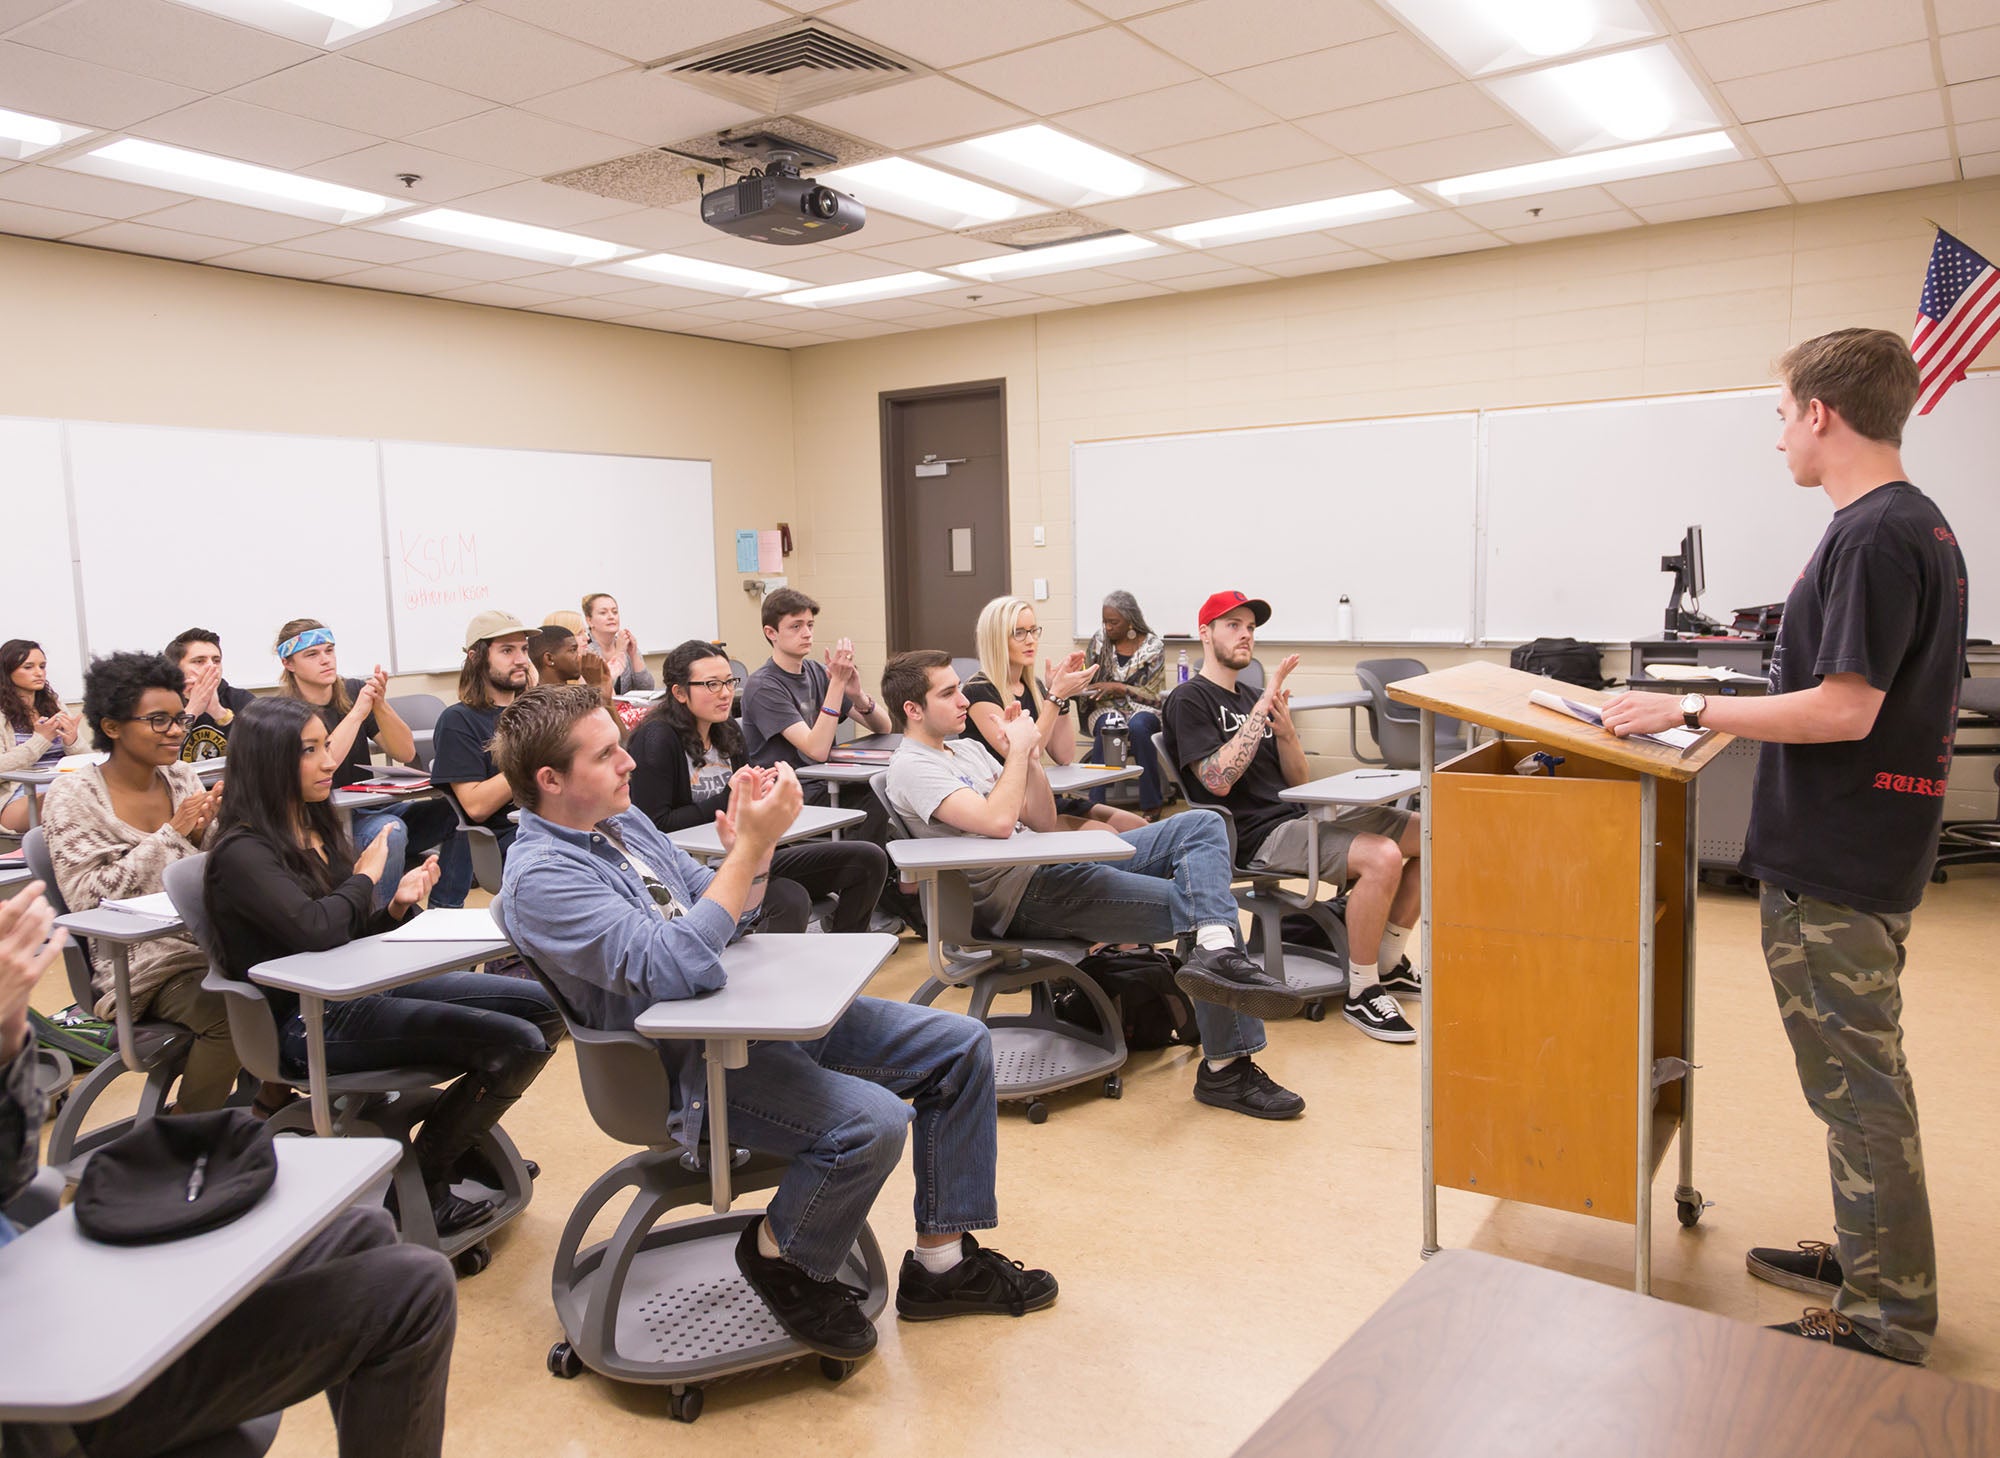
(197, 1178)
(1379, 774)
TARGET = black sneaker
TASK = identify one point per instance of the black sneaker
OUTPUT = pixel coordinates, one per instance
(1812, 1268)
(1247, 1089)
(821, 1316)
(1229, 978)
(983, 1283)
(1375, 1012)
(1821, 1325)
(1404, 979)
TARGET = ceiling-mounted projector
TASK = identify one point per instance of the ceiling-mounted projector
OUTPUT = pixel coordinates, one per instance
(779, 206)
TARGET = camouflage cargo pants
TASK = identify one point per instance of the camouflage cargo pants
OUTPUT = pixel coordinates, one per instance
(1836, 974)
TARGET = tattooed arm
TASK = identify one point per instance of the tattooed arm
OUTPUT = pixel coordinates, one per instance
(1222, 769)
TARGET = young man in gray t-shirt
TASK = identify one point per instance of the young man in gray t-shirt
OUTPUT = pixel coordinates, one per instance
(792, 706)
(1176, 884)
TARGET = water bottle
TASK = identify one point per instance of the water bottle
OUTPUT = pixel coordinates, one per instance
(1346, 617)
(1181, 669)
(1117, 739)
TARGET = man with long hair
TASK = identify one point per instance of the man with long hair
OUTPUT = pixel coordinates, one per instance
(495, 672)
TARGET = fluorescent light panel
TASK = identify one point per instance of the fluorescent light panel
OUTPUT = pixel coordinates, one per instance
(1629, 96)
(867, 290)
(1675, 154)
(897, 185)
(1360, 207)
(499, 235)
(699, 273)
(153, 164)
(23, 136)
(1061, 258)
(324, 23)
(1048, 164)
(1484, 36)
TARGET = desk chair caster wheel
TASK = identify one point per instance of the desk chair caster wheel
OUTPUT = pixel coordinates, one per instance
(564, 1362)
(836, 1369)
(473, 1259)
(684, 1405)
(534, 1170)
(1688, 1207)
(1314, 1011)
(1114, 1086)
(1038, 1112)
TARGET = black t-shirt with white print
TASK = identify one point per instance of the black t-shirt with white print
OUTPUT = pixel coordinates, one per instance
(1883, 595)
(1201, 716)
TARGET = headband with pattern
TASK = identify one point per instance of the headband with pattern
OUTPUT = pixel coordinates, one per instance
(310, 638)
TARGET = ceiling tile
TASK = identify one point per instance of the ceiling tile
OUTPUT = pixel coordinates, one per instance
(1260, 149)
(45, 84)
(79, 192)
(587, 308)
(402, 280)
(1079, 70)
(831, 268)
(349, 93)
(1227, 278)
(950, 34)
(662, 296)
(1398, 121)
(1414, 228)
(545, 204)
(283, 261)
(657, 228)
(1690, 14)
(883, 229)
(163, 41)
(1041, 306)
(1074, 282)
(1962, 14)
(1162, 118)
(227, 220)
(365, 247)
(20, 12)
(1438, 247)
(1267, 251)
(1892, 72)
(1976, 100)
(1514, 212)
(1872, 156)
(1299, 267)
(1170, 265)
(644, 30)
(29, 221)
(747, 253)
(1986, 164)
(155, 242)
(742, 311)
(1677, 187)
(470, 48)
(919, 113)
(249, 133)
(1542, 230)
(1836, 124)
(440, 178)
(1822, 32)
(936, 251)
(466, 264)
(1479, 151)
(523, 142)
(571, 281)
(855, 329)
(1978, 136)
(1310, 183)
(1971, 55)
(1227, 35)
(1925, 174)
(500, 295)
(1365, 71)
(1753, 200)
(1164, 209)
(648, 106)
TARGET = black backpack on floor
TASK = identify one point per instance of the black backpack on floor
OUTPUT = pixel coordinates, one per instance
(1561, 658)
(1152, 1010)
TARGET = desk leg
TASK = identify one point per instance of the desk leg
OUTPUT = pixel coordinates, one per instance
(833, 801)
(34, 806)
(312, 1011)
(1427, 761)
(1685, 1194)
(1642, 1233)
(721, 1055)
(121, 984)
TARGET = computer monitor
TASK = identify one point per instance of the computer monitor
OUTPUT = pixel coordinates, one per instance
(1690, 581)
(1697, 574)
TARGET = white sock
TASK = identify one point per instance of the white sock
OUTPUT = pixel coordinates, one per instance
(766, 1246)
(1216, 1065)
(1361, 978)
(937, 1259)
(1215, 937)
(1393, 941)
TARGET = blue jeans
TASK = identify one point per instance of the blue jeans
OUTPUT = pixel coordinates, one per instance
(835, 1106)
(455, 863)
(1177, 881)
(1143, 726)
(425, 826)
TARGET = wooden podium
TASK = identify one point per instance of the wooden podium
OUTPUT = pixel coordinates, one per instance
(1559, 977)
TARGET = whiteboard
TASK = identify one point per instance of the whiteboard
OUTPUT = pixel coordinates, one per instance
(230, 531)
(1953, 455)
(1383, 511)
(41, 579)
(472, 528)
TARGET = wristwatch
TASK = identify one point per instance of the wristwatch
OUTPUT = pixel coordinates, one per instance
(1062, 704)
(1692, 708)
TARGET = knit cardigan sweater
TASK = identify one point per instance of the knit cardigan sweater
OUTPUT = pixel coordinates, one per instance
(98, 857)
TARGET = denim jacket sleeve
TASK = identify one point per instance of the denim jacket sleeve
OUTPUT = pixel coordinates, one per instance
(573, 920)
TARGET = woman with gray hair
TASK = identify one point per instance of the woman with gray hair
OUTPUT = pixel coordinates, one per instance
(1131, 664)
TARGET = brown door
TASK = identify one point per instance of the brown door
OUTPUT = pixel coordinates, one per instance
(944, 503)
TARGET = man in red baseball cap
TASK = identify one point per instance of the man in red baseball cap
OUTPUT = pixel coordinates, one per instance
(1238, 748)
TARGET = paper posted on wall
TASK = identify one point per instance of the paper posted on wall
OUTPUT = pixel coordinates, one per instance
(1682, 739)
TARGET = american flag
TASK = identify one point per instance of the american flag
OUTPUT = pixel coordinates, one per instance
(1959, 313)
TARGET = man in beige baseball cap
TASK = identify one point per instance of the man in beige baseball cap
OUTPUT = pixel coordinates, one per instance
(494, 674)
(489, 625)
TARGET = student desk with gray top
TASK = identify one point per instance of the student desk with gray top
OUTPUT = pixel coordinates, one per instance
(924, 859)
(115, 932)
(369, 964)
(37, 779)
(1324, 799)
(701, 841)
(68, 1359)
(14, 875)
(836, 775)
(1075, 779)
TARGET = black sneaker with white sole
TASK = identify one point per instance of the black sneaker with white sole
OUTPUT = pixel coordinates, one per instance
(1811, 1267)
(1821, 1325)
(1376, 1013)
(1403, 980)
(1229, 977)
(983, 1283)
(821, 1316)
(1244, 1088)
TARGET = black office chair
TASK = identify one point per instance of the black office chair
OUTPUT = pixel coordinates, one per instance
(1396, 727)
(739, 671)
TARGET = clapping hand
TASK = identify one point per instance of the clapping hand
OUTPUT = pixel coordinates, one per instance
(1066, 677)
(840, 667)
(596, 673)
(1283, 671)
(373, 861)
(202, 687)
(415, 886)
(372, 691)
(1022, 734)
(194, 814)
(27, 950)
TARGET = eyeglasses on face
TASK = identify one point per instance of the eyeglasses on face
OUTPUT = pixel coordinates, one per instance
(160, 723)
(714, 685)
(1027, 635)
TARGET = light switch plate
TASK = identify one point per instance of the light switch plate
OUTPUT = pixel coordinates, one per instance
(1041, 589)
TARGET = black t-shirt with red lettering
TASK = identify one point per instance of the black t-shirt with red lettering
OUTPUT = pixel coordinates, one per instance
(1883, 595)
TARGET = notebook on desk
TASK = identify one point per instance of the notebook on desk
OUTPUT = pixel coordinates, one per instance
(1685, 740)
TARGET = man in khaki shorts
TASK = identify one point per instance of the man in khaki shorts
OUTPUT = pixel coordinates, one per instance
(1238, 749)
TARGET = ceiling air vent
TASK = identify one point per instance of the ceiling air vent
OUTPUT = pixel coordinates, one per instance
(788, 67)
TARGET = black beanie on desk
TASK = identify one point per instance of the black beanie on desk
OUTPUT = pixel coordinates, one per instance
(174, 1176)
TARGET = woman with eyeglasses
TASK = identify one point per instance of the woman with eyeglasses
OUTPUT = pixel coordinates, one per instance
(684, 752)
(42, 732)
(114, 828)
(1131, 662)
(282, 877)
(1007, 640)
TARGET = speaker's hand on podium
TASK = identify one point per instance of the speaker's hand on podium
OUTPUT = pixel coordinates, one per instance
(1642, 713)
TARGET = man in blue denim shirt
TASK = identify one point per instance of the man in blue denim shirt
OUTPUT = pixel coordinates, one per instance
(619, 918)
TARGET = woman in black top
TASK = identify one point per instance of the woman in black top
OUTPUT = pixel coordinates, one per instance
(282, 878)
(686, 749)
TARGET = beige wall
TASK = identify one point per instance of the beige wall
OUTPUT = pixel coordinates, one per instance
(95, 335)
(1700, 305)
